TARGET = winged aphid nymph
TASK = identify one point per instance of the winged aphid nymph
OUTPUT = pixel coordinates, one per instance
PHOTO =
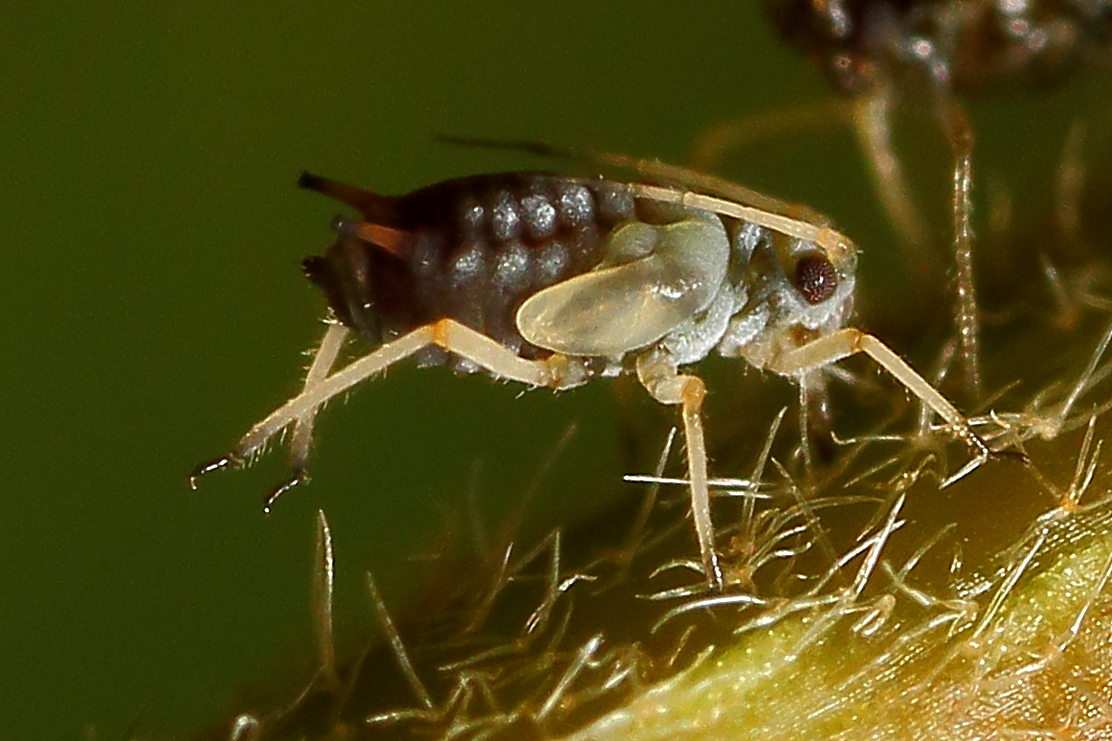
(552, 280)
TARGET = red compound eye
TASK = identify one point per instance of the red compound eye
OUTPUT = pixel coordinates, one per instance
(815, 278)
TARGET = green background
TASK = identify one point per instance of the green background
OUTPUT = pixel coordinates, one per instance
(153, 307)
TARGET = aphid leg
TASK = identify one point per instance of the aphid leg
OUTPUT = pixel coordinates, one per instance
(712, 146)
(815, 420)
(828, 239)
(660, 377)
(872, 124)
(710, 186)
(1070, 186)
(302, 438)
(846, 342)
(446, 333)
(968, 317)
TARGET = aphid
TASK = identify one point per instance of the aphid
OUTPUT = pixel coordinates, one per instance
(959, 46)
(877, 51)
(551, 280)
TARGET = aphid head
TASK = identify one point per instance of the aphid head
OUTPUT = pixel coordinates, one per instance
(814, 287)
(798, 290)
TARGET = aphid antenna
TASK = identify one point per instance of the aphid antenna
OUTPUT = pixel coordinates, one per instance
(870, 120)
(654, 172)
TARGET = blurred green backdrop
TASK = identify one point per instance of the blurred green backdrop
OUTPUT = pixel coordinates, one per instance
(153, 306)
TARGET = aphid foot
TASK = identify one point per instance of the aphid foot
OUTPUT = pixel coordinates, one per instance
(300, 476)
(216, 464)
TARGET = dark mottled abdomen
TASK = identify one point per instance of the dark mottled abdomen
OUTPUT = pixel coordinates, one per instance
(963, 46)
(471, 249)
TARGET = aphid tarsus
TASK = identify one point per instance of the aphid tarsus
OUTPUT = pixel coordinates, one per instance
(552, 280)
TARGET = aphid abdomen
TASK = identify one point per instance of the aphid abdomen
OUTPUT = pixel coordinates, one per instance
(472, 249)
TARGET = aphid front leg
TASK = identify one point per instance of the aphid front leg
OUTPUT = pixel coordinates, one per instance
(445, 333)
(660, 377)
(849, 341)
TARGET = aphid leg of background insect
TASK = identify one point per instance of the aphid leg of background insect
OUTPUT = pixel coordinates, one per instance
(871, 119)
(869, 116)
(714, 144)
(667, 385)
(846, 342)
(960, 135)
(445, 333)
(1070, 185)
(872, 124)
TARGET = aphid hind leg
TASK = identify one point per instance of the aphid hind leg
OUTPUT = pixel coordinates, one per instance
(323, 360)
(446, 333)
(846, 342)
(667, 385)
(302, 437)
